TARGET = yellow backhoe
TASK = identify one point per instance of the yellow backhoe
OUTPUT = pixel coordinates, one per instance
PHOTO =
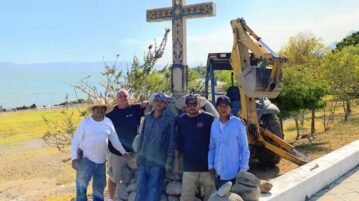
(259, 74)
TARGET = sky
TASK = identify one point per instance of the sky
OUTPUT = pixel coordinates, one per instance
(43, 31)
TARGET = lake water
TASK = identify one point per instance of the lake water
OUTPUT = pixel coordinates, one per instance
(41, 86)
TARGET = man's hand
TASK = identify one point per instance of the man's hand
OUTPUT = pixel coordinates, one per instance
(145, 103)
(75, 163)
(138, 161)
(176, 169)
(242, 170)
(213, 173)
(168, 168)
(176, 165)
(253, 130)
(131, 155)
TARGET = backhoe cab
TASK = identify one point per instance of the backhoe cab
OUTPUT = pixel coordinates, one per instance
(259, 74)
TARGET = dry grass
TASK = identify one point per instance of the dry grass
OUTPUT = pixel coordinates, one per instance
(26, 125)
(290, 131)
(66, 197)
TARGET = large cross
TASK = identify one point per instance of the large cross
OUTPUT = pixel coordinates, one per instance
(178, 13)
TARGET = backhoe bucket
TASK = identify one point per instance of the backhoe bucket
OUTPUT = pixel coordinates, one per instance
(256, 82)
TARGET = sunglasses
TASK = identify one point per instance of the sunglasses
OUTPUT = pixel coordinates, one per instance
(191, 104)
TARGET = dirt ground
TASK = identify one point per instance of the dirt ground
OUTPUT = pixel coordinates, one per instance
(32, 171)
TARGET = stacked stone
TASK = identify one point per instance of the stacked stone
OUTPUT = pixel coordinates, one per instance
(126, 191)
(224, 194)
(247, 187)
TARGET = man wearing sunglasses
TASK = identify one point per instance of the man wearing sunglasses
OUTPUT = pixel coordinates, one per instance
(192, 141)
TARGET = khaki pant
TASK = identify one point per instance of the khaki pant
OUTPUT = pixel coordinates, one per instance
(115, 165)
(192, 180)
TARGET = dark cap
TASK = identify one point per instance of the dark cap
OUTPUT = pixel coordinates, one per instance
(161, 97)
(223, 99)
(191, 98)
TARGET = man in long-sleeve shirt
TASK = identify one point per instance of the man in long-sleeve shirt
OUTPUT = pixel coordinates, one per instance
(192, 141)
(155, 151)
(228, 150)
(92, 137)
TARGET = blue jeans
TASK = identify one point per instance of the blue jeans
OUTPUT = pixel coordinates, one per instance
(85, 170)
(220, 182)
(150, 183)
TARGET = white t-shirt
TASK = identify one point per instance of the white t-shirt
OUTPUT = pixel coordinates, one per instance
(92, 136)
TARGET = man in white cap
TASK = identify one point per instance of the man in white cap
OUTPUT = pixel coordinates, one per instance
(92, 137)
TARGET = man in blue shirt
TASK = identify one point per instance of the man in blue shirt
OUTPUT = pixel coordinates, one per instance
(155, 150)
(192, 141)
(228, 149)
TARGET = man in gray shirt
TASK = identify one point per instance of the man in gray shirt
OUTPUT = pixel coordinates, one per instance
(155, 150)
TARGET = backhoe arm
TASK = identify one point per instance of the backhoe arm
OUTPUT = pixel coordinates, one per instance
(259, 81)
(256, 81)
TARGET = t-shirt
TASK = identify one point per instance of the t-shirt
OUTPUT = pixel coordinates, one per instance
(92, 137)
(192, 140)
(126, 122)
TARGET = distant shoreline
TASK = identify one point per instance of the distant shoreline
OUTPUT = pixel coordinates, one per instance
(40, 107)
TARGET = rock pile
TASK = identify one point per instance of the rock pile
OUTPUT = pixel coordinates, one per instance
(247, 187)
(224, 194)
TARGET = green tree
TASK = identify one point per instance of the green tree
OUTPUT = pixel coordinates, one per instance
(341, 69)
(196, 78)
(303, 49)
(351, 40)
(156, 81)
(304, 86)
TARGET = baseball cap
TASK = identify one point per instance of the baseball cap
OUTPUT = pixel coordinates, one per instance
(191, 98)
(161, 97)
(223, 99)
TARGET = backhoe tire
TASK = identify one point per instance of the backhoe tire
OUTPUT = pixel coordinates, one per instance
(266, 157)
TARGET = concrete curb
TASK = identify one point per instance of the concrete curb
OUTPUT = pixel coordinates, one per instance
(305, 181)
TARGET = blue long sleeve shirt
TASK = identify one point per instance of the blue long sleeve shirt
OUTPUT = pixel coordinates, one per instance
(156, 144)
(228, 148)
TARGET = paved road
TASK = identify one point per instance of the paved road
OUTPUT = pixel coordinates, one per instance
(346, 188)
